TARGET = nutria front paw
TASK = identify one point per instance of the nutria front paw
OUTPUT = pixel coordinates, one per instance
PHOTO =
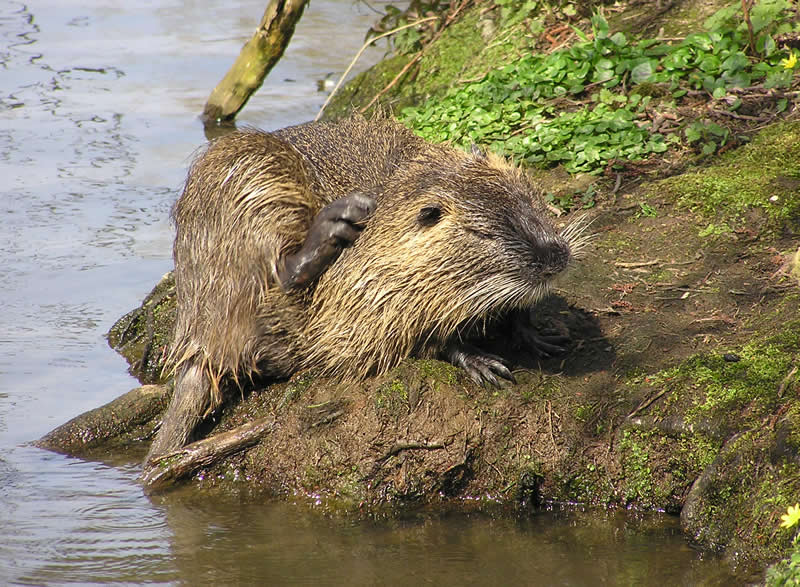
(544, 345)
(336, 226)
(341, 221)
(481, 367)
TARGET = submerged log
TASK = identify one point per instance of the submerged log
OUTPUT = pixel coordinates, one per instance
(126, 420)
(257, 58)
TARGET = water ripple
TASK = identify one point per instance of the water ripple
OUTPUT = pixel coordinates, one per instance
(89, 524)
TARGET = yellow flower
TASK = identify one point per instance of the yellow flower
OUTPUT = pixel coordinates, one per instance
(791, 517)
(790, 61)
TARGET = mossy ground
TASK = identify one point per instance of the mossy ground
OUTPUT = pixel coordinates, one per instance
(142, 335)
(751, 188)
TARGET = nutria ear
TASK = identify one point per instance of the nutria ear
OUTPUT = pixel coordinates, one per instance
(478, 152)
(429, 215)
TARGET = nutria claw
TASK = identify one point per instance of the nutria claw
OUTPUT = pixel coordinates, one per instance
(544, 345)
(353, 208)
(336, 226)
(481, 367)
(339, 223)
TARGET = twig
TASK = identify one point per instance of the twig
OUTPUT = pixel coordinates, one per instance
(746, 9)
(637, 264)
(401, 446)
(648, 402)
(550, 422)
(741, 116)
(786, 380)
(416, 57)
(617, 184)
(391, 84)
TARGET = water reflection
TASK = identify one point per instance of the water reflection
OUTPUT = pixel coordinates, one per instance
(100, 531)
(276, 543)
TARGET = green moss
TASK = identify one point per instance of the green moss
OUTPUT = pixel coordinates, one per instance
(392, 397)
(142, 335)
(457, 51)
(735, 392)
(589, 484)
(439, 371)
(743, 504)
(584, 412)
(638, 483)
(365, 86)
(660, 276)
(312, 478)
(682, 19)
(295, 389)
(349, 486)
(714, 230)
(789, 429)
(446, 59)
(764, 175)
(694, 452)
(618, 242)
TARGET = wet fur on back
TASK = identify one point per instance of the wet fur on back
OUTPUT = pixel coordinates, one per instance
(247, 200)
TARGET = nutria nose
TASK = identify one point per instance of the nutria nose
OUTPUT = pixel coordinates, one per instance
(555, 256)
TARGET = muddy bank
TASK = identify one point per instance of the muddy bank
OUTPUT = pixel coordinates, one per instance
(677, 391)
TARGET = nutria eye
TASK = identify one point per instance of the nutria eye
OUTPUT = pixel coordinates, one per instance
(429, 215)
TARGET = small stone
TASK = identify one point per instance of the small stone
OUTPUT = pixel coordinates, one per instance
(731, 358)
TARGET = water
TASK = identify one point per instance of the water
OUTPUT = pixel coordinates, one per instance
(98, 120)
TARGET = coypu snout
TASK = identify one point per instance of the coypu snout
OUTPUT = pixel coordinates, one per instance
(553, 256)
(543, 252)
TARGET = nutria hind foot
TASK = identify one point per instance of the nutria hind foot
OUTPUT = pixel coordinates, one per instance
(482, 368)
(190, 402)
(336, 226)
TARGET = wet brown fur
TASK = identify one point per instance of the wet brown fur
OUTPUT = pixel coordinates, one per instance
(402, 288)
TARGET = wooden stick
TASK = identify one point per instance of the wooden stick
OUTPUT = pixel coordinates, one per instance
(256, 59)
(171, 467)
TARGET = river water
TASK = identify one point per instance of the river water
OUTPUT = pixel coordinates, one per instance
(99, 104)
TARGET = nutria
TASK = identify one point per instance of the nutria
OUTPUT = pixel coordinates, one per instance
(346, 247)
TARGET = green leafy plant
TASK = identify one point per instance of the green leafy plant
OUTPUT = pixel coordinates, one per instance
(708, 135)
(563, 201)
(571, 201)
(410, 40)
(581, 107)
(512, 12)
(647, 210)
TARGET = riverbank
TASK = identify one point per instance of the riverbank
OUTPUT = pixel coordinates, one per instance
(679, 391)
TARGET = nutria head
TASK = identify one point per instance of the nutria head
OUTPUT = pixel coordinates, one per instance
(456, 238)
